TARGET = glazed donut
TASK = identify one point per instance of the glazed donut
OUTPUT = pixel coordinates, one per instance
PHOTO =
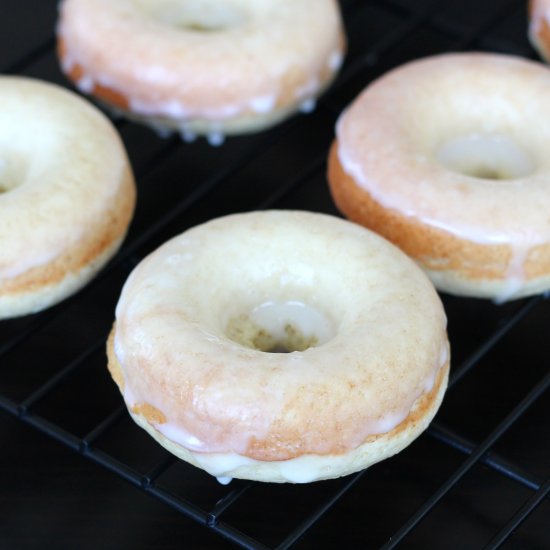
(200, 319)
(202, 66)
(539, 27)
(66, 194)
(447, 157)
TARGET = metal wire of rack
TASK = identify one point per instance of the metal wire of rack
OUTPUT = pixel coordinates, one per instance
(479, 477)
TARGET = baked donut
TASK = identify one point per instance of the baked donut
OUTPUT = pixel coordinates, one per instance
(539, 27)
(199, 322)
(202, 66)
(66, 194)
(447, 157)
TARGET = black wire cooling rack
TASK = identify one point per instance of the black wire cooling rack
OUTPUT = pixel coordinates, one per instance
(478, 478)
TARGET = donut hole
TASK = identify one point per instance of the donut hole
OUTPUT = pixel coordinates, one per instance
(200, 16)
(485, 156)
(12, 171)
(281, 327)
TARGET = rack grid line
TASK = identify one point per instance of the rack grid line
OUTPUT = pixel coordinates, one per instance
(474, 457)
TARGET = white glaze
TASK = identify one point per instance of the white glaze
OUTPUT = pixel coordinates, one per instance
(224, 480)
(280, 264)
(11, 268)
(308, 105)
(175, 109)
(215, 137)
(476, 154)
(298, 470)
(85, 84)
(262, 44)
(515, 273)
(263, 104)
(480, 229)
(13, 169)
(40, 123)
(275, 316)
(398, 136)
(160, 130)
(187, 134)
(197, 15)
(335, 60)
(181, 437)
(308, 89)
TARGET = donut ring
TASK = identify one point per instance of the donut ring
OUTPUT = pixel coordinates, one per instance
(202, 66)
(66, 194)
(366, 333)
(447, 158)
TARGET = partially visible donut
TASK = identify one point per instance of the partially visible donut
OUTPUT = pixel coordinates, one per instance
(200, 319)
(539, 27)
(447, 157)
(67, 194)
(201, 66)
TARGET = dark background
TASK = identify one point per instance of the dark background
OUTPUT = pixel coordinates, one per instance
(76, 472)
